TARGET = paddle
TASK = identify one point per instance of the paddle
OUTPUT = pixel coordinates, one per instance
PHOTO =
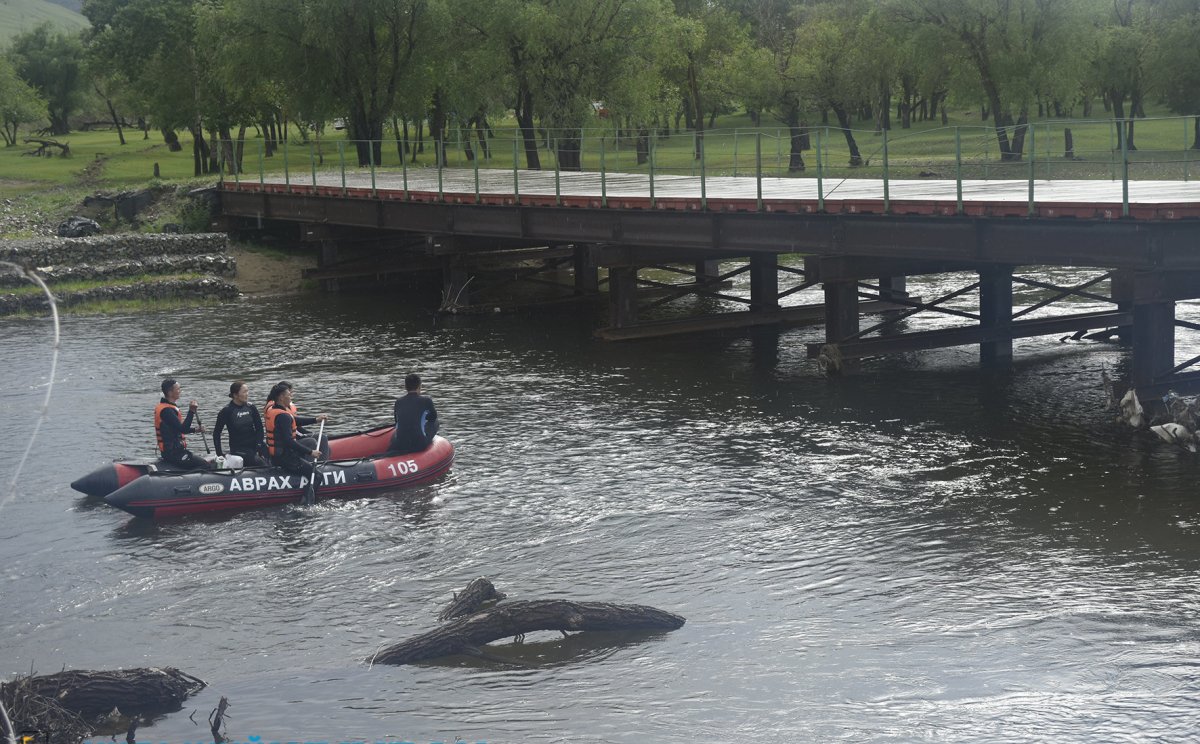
(310, 493)
(204, 439)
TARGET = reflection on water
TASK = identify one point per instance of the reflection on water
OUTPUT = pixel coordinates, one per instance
(913, 551)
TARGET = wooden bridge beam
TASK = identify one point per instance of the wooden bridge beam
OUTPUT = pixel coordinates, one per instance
(1153, 342)
(764, 282)
(622, 296)
(995, 316)
(587, 275)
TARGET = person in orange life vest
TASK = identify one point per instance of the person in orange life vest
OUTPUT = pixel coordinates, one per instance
(169, 430)
(282, 423)
(301, 421)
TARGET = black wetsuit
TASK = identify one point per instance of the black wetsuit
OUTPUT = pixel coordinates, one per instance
(416, 424)
(172, 431)
(247, 437)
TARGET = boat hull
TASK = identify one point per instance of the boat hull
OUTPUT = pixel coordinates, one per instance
(118, 473)
(162, 495)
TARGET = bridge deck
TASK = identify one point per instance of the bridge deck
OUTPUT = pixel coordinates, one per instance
(1084, 199)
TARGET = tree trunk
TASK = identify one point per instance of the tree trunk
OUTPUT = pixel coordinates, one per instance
(844, 121)
(172, 140)
(437, 128)
(467, 634)
(569, 151)
(116, 120)
(642, 146)
(528, 133)
(1196, 133)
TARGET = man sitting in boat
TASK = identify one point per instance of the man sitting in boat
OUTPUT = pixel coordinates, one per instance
(169, 430)
(416, 419)
(283, 422)
(247, 437)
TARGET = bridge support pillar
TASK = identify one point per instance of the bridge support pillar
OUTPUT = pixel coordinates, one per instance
(893, 288)
(1122, 295)
(707, 272)
(1153, 342)
(327, 257)
(764, 282)
(587, 275)
(841, 310)
(995, 314)
(622, 296)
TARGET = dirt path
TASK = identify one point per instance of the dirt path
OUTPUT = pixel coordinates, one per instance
(260, 273)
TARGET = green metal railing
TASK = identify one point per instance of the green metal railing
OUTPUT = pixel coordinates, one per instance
(1100, 150)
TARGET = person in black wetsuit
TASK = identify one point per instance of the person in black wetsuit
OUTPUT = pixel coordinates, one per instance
(247, 437)
(169, 430)
(416, 419)
(293, 454)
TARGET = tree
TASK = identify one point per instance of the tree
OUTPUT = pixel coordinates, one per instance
(772, 74)
(709, 36)
(19, 103)
(1118, 67)
(1173, 67)
(53, 64)
(1018, 49)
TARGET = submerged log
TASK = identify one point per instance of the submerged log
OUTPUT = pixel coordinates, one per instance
(467, 634)
(471, 599)
(91, 694)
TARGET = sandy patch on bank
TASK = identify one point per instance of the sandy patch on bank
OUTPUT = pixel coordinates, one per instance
(260, 273)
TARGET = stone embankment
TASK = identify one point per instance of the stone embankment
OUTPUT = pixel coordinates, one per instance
(102, 262)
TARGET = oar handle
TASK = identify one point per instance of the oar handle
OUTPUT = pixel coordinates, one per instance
(205, 437)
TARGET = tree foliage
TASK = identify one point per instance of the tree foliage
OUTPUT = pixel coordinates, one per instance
(19, 103)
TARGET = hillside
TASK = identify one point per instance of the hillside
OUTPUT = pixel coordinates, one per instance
(17, 16)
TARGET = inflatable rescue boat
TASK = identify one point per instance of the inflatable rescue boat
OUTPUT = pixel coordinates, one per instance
(108, 478)
(158, 493)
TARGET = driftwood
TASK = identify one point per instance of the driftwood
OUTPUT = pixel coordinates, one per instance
(467, 634)
(471, 599)
(90, 695)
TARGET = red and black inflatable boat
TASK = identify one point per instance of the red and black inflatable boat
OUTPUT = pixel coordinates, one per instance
(159, 494)
(108, 478)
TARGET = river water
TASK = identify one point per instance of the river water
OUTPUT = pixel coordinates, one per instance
(913, 552)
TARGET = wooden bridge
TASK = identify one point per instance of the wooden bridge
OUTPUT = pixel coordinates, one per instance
(860, 239)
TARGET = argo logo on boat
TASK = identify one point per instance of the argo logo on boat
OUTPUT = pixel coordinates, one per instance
(211, 488)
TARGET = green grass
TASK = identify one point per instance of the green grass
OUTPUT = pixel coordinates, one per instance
(114, 307)
(63, 288)
(19, 16)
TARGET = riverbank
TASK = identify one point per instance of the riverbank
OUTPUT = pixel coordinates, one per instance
(98, 278)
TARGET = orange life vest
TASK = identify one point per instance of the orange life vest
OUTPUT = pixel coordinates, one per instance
(273, 410)
(158, 423)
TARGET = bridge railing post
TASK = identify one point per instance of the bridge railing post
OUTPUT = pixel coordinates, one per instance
(312, 159)
(287, 178)
(404, 164)
(758, 167)
(820, 175)
(371, 160)
(958, 206)
(603, 175)
(262, 176)
(1124, 132)
(517, 167)
(1186, 159)
(439, 148)
(1032, 166)
(342, 163)
(475, 162)
(887, 202)
(653, 148)
(557, 184)
(703, 190)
